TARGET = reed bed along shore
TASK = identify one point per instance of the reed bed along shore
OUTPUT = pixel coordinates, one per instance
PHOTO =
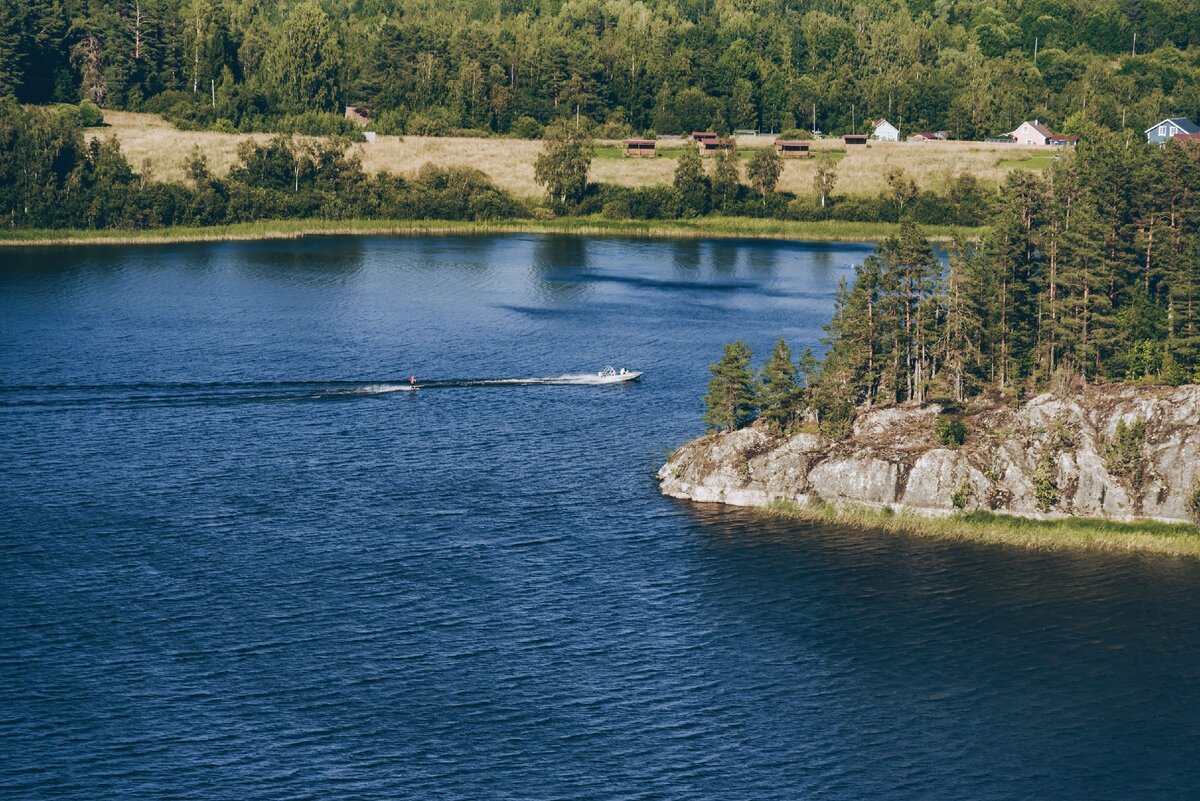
(1071, 533)
(150, 140)
(705, 228)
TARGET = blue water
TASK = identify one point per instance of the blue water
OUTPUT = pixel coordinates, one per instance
(239, 561)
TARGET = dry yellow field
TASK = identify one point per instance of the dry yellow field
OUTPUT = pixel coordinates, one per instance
(509, 162)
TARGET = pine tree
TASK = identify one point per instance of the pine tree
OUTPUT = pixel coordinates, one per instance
(1014, 254)
(730, 400)
(1087, 322)
(964, 325)
(778, 392)
(855, 368)
(810, 366)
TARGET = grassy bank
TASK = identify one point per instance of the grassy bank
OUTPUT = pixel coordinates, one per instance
(709, 227)
(1176, 539)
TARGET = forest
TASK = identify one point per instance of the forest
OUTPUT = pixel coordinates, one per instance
(1088, 273)
(974, 68)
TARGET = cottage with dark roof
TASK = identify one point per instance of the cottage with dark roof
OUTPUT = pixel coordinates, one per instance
(1162, 132)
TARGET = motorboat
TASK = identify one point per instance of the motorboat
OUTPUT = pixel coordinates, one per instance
(610, 375)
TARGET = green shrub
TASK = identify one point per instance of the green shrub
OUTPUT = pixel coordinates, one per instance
(431, 122)
(69, 115)
(1061, 437)
(1045, 482)
(319, 123)
(837, 423)
(963, 495)
(614, 129)
(1193, 501)
(1123, 456)
(90, 115)
(389, 123)
(951, 432)
(526, 128)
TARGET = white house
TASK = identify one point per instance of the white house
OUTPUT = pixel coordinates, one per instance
(886, 132)
(1031, 132)
(1168, 129)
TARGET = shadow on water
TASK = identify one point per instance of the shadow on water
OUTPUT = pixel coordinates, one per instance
(916, 587)
(954, 642)
(687, 255)
(724, 256)
(557, 263)
(763, 262)
(328, 259)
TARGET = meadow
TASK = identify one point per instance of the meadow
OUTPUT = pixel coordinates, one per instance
(150, 141)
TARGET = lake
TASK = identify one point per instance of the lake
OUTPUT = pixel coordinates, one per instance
(240, 561)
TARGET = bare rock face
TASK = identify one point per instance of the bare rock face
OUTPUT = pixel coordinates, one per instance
(1052, 457)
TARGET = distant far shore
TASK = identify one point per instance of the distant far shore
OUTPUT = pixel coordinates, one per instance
(703, 228)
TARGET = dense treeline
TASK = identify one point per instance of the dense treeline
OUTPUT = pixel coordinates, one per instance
(51, 176)
(1090, 272)
(973, 68)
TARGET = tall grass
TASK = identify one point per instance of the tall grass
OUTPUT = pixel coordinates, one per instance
(704, 228)
(1177, 539)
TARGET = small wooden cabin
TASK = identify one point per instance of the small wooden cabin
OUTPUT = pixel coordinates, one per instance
(639, 148)
(855, 139)
(791, 148)
(710, 147)
(701, 136)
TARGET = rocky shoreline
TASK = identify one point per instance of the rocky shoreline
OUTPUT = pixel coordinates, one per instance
(1113, 452)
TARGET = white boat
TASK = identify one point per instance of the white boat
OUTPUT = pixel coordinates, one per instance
(609, 375)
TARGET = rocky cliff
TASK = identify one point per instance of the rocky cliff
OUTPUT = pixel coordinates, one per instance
(1051, 457)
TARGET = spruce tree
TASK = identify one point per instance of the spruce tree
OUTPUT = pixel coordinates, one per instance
(778, 392)
(730, 399)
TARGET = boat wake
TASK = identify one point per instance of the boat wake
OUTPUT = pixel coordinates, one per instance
(142, 394)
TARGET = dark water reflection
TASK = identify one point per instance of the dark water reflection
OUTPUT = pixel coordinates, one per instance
(238, 564)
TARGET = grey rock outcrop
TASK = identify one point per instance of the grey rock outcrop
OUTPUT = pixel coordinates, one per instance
(1052, 457)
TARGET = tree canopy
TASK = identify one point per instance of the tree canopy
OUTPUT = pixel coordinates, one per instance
(972, 68)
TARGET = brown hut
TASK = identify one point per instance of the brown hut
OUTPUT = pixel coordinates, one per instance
(710, 147)
(639, 148)
(791, 148)
(700, 136)
(855, 139)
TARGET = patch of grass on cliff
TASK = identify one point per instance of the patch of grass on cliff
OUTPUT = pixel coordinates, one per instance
(1176, 539)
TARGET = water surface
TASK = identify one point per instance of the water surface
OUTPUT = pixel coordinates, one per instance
(240, 560)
